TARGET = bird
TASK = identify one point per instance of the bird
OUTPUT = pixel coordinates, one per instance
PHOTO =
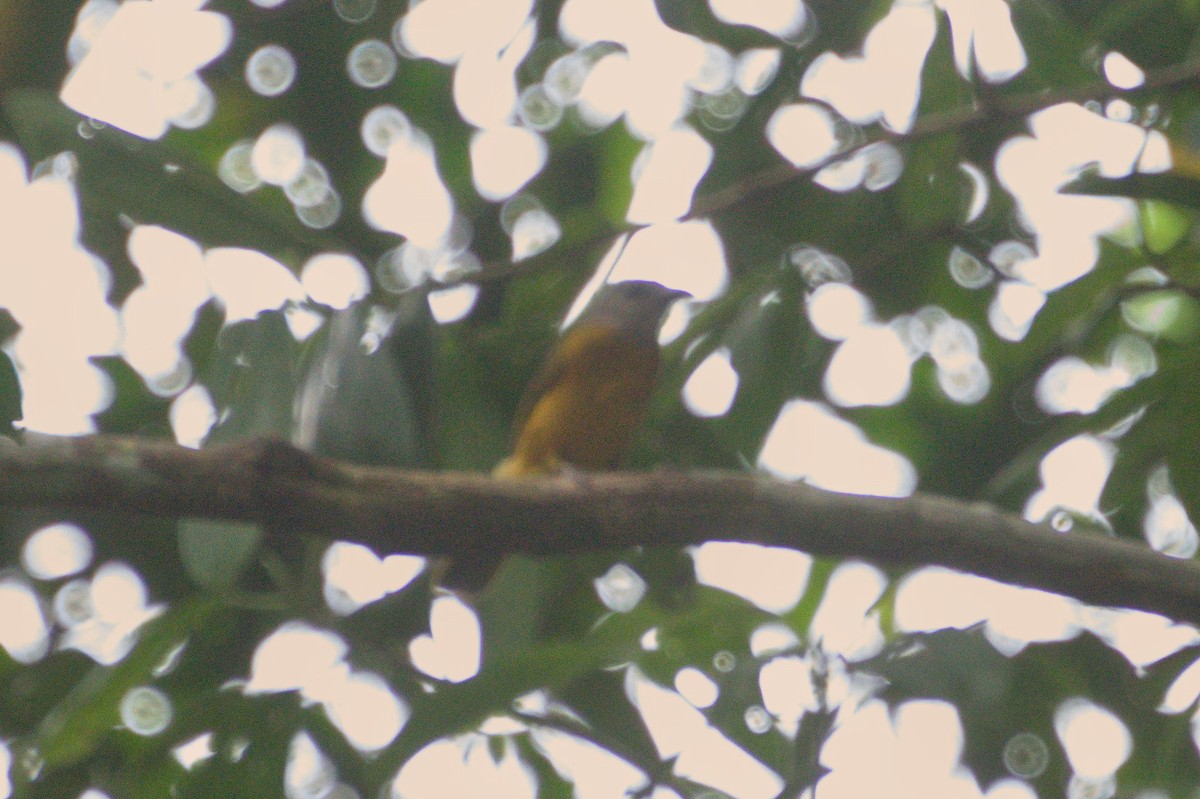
(584, 407)
(580, 413)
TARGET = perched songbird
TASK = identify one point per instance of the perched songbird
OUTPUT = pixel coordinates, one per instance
(589, 399)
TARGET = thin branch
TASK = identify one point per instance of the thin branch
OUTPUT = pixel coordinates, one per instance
(658, 772)
(999, 109)
(288, 492)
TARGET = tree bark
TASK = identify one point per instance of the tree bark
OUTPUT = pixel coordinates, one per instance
(290, 492)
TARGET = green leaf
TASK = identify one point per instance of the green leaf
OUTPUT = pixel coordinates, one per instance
(687, 637)
(365, 396)
(474, 433)
(942, 88)
(10, 396)
(739, 693)
(1168, 313)
(1053, 45)
(761, 323)
(998, 698)
(253, 377)
(699, 20)
(123, 177)
(800, 617)
(76, 727)
(455, 708)
(934, 191)
(1167, 187)
(600, 698)
(135, 408)
(512, 606)
(550, 783)
(216, 553)
(1164, 225)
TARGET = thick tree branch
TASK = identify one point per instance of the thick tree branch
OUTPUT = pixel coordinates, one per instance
(288, 491)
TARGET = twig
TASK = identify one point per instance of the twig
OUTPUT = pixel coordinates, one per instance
(998, 109)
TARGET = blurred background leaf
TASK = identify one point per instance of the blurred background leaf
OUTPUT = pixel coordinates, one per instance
(1020, 343)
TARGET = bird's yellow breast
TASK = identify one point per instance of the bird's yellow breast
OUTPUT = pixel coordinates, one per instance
(586, 405)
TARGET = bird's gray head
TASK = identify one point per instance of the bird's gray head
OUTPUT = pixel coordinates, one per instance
(635, 306)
